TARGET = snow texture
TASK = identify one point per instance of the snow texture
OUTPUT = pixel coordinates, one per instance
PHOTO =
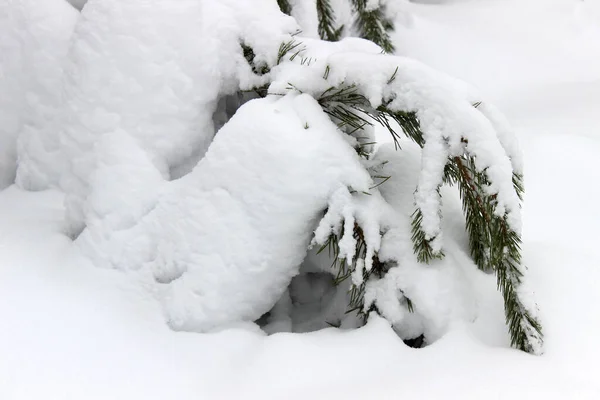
(221, 244)
(78, 4)
(34, 39)
(74, 331)
(305, 12)
(440, 293)
(133, 69)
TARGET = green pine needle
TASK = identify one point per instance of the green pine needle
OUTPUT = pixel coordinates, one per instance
(373, 25)
(326, 28)
(345, 270)
(288, 47)
(422, 245)
(494, 246)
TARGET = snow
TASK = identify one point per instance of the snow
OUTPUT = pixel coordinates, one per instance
(132, 68)
(34, 41)
(305, 12)
(78, 4)
(136, 107)
(442, 294)
(446, 113)
(76, 331)
(232, 220)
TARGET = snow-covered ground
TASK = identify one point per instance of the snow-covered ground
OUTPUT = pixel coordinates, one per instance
(73, 331)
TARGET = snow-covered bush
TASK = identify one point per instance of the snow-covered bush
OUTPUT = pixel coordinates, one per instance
(218, 225)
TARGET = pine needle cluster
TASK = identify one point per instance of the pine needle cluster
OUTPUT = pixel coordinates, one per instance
(370, 22)
(326, 27)
(495, 247)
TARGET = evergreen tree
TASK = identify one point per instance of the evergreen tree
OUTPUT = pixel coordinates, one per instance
(172, 229)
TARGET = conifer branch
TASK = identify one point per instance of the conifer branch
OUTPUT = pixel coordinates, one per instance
(408, 121)
(372, 24)
(344, 270)
(495, 246)
(478, 212)
(326, 27)
(421, 244)
(347, 106)
(286, 48)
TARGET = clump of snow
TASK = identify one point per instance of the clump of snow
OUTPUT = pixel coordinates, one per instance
(125, 186)
(305, 12)
(244, 215)
(133, 68)
(34, 42)
(399, 11)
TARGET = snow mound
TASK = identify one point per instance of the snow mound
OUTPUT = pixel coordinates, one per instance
(34, 42)
(133, 68)
(222, 243)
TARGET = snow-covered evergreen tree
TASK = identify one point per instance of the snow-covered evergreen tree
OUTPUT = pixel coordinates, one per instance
(217, 225)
